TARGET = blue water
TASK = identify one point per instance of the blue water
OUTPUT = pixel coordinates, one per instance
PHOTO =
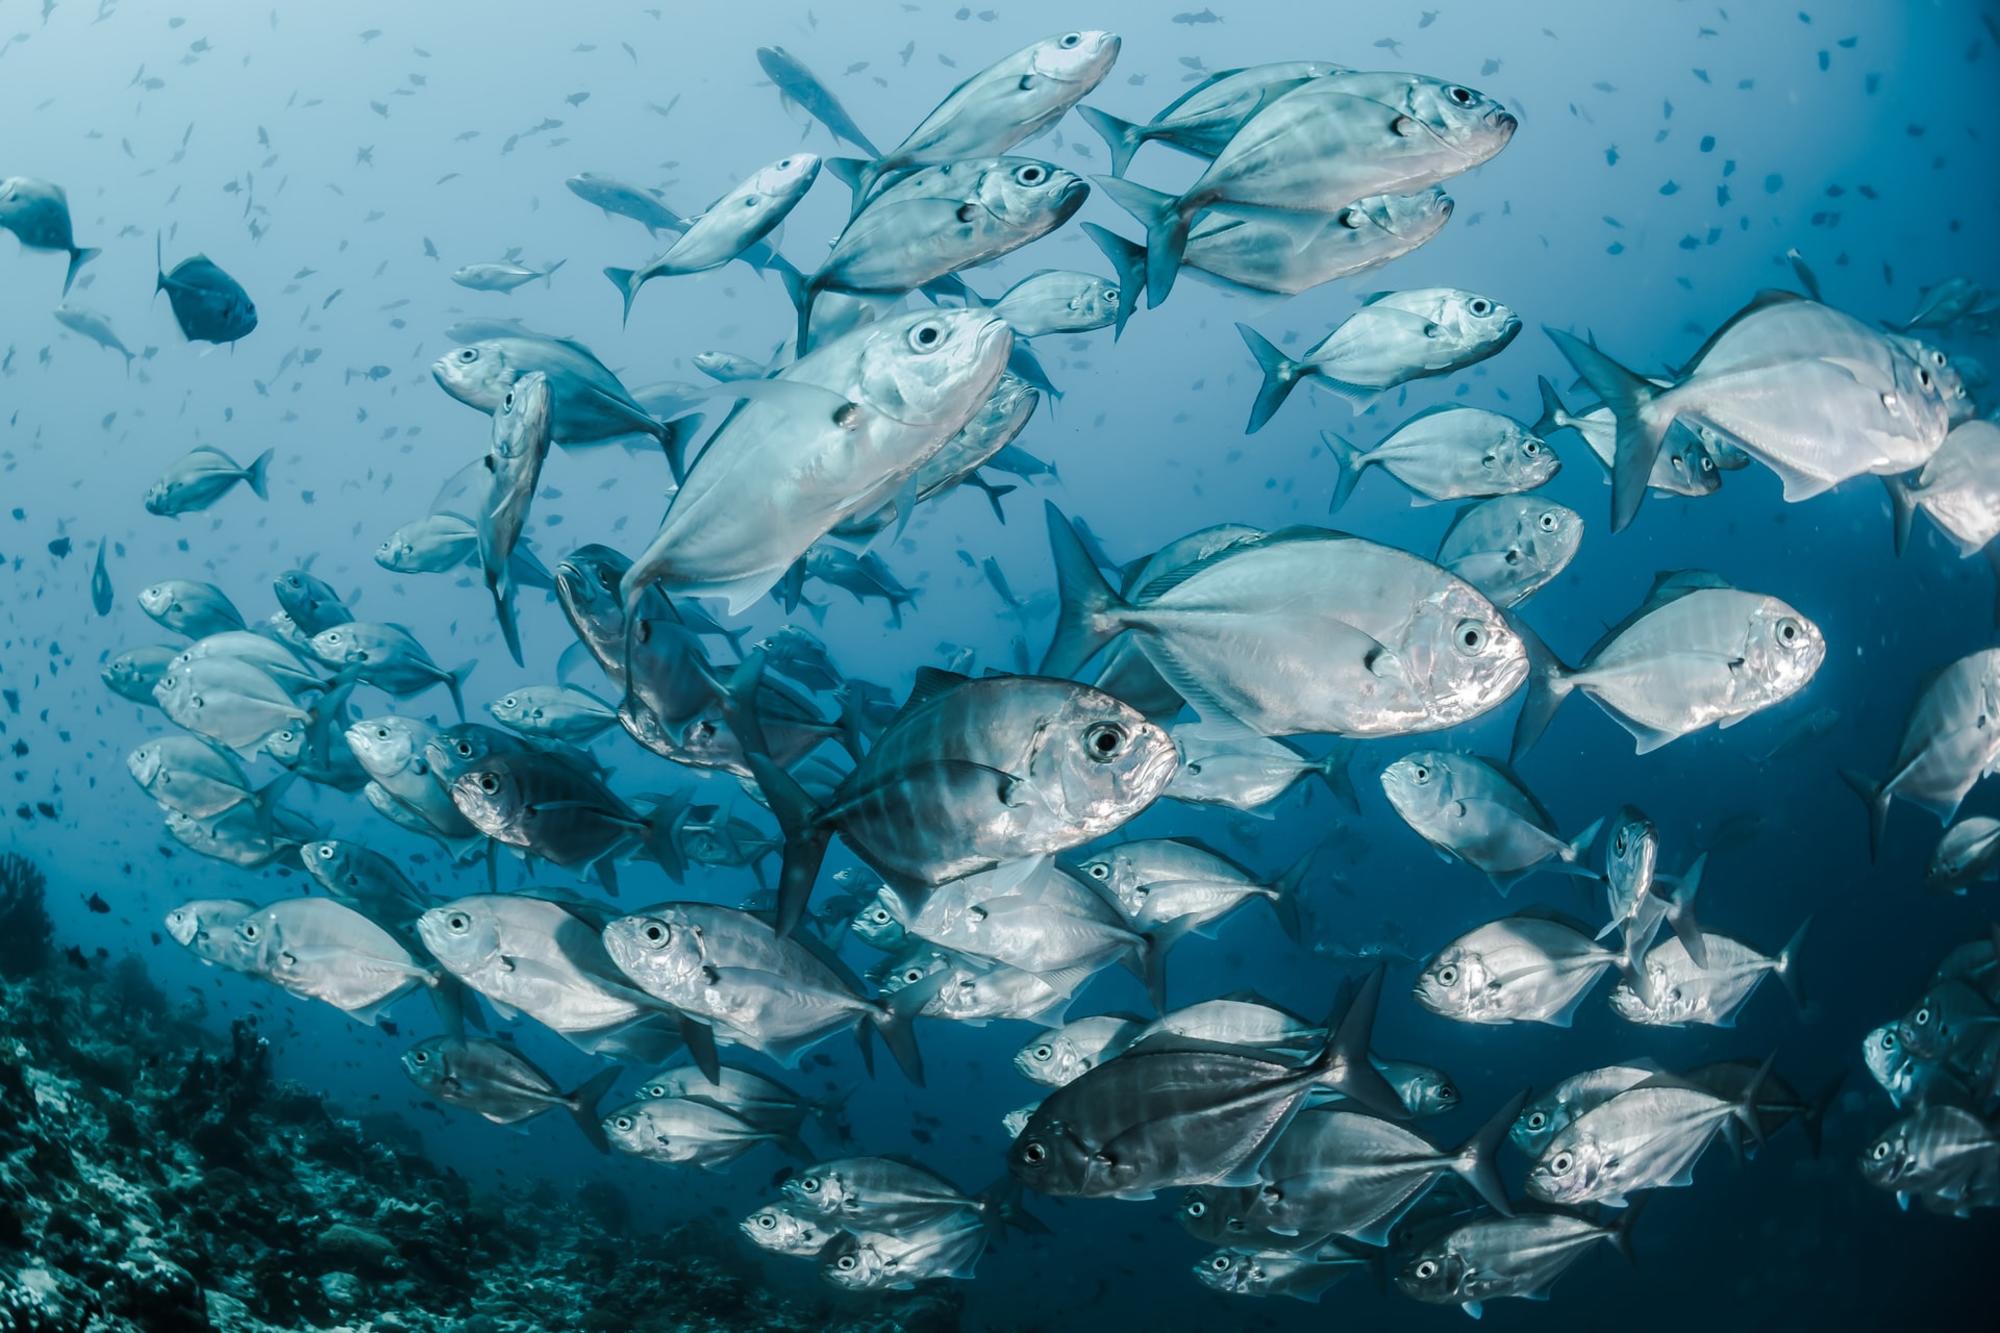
(313, 162)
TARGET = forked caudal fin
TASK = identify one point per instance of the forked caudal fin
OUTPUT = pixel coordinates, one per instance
(1548, 685)
(1641, 430)
(1478, 1158)
(1122, 137)
(1343, 1064)
(1166, 223)
(805, 840)
(582, 1104)
(1088, 616)
(1129, 262)
(1875, 796)
(1281, 376)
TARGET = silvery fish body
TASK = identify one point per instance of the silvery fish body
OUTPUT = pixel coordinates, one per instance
(208, 304)
(95, 327)
(1050, 924)
(554, 807)
(521, 437)
(1510, 546)
(948, 1246)
(244, 836)
(229, 701)
(784, 1228)
(1260, 1273)
(311, 602)
(1202, 120)
(730, 226)
(1304, 631)
(391, 751)
(389, 658)
(275, 659)
(1450, 453)
(1646, 1137)
(1495, 1257)
(642, 205)
(1478, 811)
(1237, 1020)
(1547, 1115)
(1959, 488)
(1157, 882)
(683, 1132)
(201, 477)
(319, 949)
(365, 880)
(1060, 1055)
(1943, 1156)
(37, 212)
(591, 405)
(501, 277)
(743, 1092)
(1684, 467)
(992, 428)
(875, 1194)
(1678, 992)
(133, 673)
(494, 1080)
(1058, 301)
(1967, 854)
(206, 928)
(536, 957)
(189, 775)
(185, 606)
(866, 410)
(960, 988)
(1948, 744)
(1520, 969)
(1399, 336)
(554, 712)
(796, 84)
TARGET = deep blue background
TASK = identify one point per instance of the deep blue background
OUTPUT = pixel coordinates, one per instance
(264, 130)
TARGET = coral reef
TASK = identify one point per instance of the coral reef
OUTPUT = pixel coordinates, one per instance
(25, 930)
(155, 1179)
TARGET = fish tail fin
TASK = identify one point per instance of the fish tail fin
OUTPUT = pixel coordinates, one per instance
(79, 255)
(1875, 796)
(1641, 428)
(1903, 506)
(662, 816)
(625, 280)
(1122, 137)
(582, 1104)
(1787, 964)
(1128, 260)
(853, 725)
(1148, 959)
(1746, 1106)
(258, 475)
(1620, 1235)
(500, 583)
(1348, 462)
(1000, 1206)
(699, 1038)
(1548, 685)
(1680, 913)
(1813, 1119)
(1478, 1158)
(1331, 768)
(1579, 847)
(674, 438)
(1281, 376)
(1343, 1063)
(159, 266)
(1553, 411)
(1088, 616)
(1165, 218)
(550, 272)
(454, 683)
(1286, 890)
(805, 840)
(895, 1018)
(993, 492)
(858, 175)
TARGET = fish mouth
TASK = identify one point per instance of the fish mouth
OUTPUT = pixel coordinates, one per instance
(1506, 122)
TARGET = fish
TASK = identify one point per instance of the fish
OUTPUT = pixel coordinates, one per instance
(243, 836)
(838, 432)
(1958, 487)
(591, 405)
(204, 475)
(1049, 924)
(1812, 393)
(861, 576)
(95, 327)
(191, 775)
(503, 277)
(990, 430)
(729, 227)
(1394, 338)
(522, 431)
(1262, 1273)
(1318, 148)
(365, 880)
(389, 658)
(318, 949)
(208, 304)
(1647, 1137)
(1061, 1055)
(494, 1080)
(553, 808)
(1221, 765)
(543, 959)
(1635, 902)
(1533, 967)
(392, 750)
(134, 673)
(311, 602)
(682, 1131)
(1685, 466)
(1449, 453)
(440, 542)
(947, 1246)
(1202, 120)
(1967, 854)
(1303, 631)
(1008, 102)
(1697, 652)
(1948, 744)
(1678, 992)
(1478, 812)
(564, 713)
(190, 608)
(745, 1093)
(229, 701)
(797, 84)
(37, 212)
(1058, 301)
(619, 199)
(1172, 1113)
(1161, 883)
(1510, 547)
(1263, 252)
(938, 220)
(1942, 1156)
(1543, 1117)
(1490, 1258)
(100, 582)
(728, 367)
(970, 776)
(206, 928)
(785, 1229)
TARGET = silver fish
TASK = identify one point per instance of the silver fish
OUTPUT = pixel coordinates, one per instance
(522, 426)
(1685, 465)
(1519, 969)
(796, 84)
(617, 198)
(1058, 301)
(95, 327)
(1060, 1055)
(389, 658)
(1180, 882)
(133, 673)
(243, 835)
(784, 1228)
(729, 227)
(230, 701)
(947, 1246)
(1202, 120)
(190, 775)
(553, 807)
(37, 212)
(1959, 488)
(365, 880)
(1510, 546)
(311, 602)
(1260, 1273)
(494, 1080)
(591, 405)
(1647, 1137)
(1222, 765)
(503, 277)
(1543, 1117)
(1943, 1156)
(206, 928)
(1967, 854)
(745, 1093)
(1492, 1257)
(681, 1131)
(1948, 744)
(992, 428)
(1478, 812)
(319, 949)
(1449, 453)
(566, 713)
(185, 606)
(1677, 992)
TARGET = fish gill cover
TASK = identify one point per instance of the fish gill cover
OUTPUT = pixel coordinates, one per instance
(896, 770)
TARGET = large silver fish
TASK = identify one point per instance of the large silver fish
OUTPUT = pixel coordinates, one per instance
(1543, 1117)
(319, 949)
(1394, 338)
(1202, 120)
(494, 1080)
(1943, 1156)
(190, 607)
(1959, 488)
(1303, 1276)
(1968, 853)
(1008, 102)
(1679, 992)
(1062, 1054)
(1223, 765)
(1494, 1257)
(229, 701)
(1300, 631)
(1510, 546)
(681, 1131)
(1449, 453)
(554, 808)
(201, 477)
(1813, 394)
(389, 658)
(973, 775)
(1183, 884)
(1950, 741)
(365, 880)
(1318, 148)
(1647, 1137)
(37, 212)
(837, 433)
(1529, 968)
(1479, 812)
(206, 928)
(1696, 653)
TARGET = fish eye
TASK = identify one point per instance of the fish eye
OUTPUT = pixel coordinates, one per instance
(250, 930)
(464, 748)
(1034, 1154)
(1448, 975)
(767, 1221)
(420, 1057)
(810, 1184)
(1888, 1041)
(1560, 1164)
(1420, 774)
(1881, 1152)
(1462, 96)
(880, 916)
(1070, 39)
(1481, 306)
(1470, 637)
(510, 702)
(1196, 1208)
(1426, 1270)
(1098, 870)
(1707, 463)
(1536, 1120)
(622, 1121)
(488, 783)
(1111, 296)
(1032, 174)
(1548, 521)
(1790, 631)
(657, 933)
(1104, 740)
(846, 1263)
(1447, 1093)
(1351, 218)
(1531, 448)
(912, 975)
(1044, 1052)
(326, 851)
(458, 922)
(1922, 1017)
(926, 336)
(468, 355)
(1220, 1263)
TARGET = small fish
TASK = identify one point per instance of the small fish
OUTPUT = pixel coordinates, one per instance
(37, 212)
(503, 277)
(100, 582)
(203, 476)
(208, 304)
(95, 327)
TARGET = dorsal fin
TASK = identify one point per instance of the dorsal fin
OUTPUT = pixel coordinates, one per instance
(932, 683)
(1763, 300)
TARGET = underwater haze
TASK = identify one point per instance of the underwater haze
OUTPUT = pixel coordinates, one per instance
(376, 187)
